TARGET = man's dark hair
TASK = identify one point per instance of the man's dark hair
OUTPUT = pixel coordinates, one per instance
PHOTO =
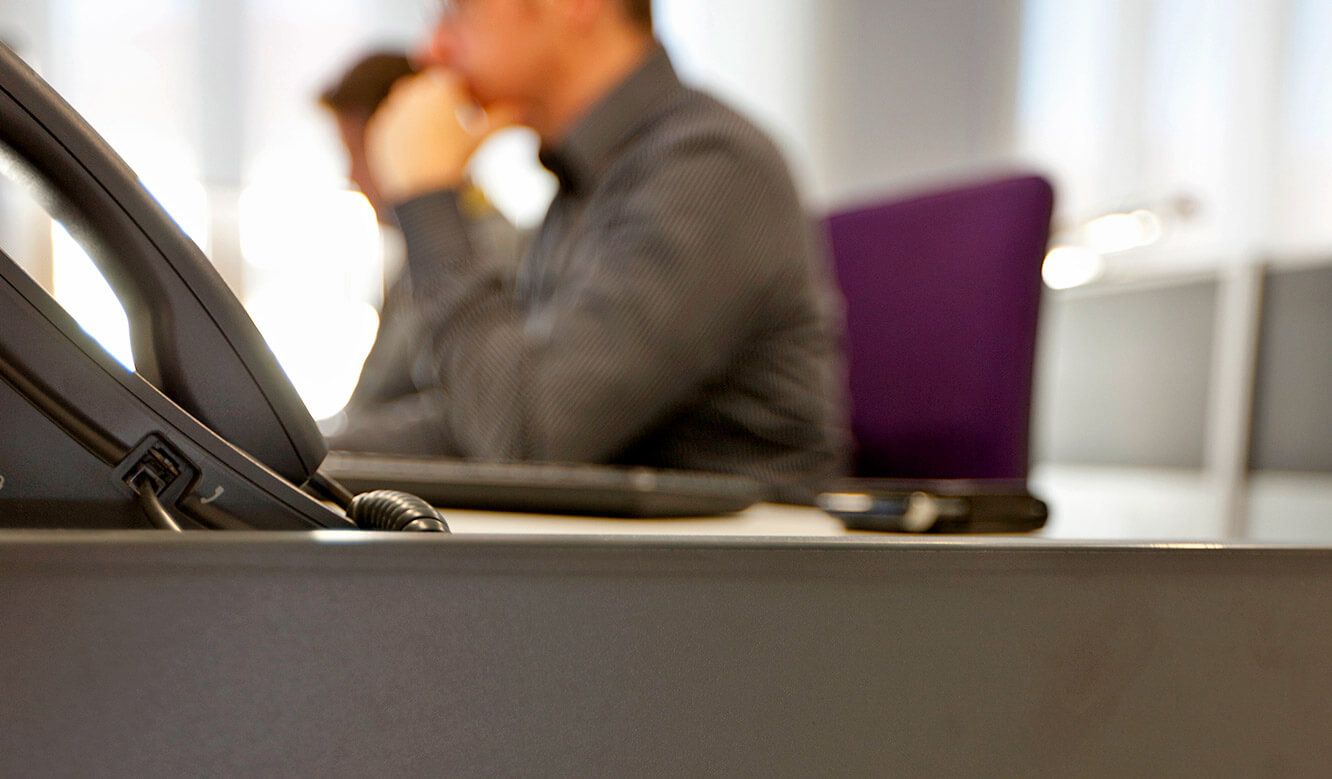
(367, 82)
(639, 11)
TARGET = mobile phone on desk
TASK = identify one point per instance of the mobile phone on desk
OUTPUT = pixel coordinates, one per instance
(935, 506)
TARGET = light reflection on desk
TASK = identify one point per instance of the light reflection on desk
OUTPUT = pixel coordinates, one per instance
(764, 519)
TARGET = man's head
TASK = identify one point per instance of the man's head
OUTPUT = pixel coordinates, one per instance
(353, 100)
(545, 58)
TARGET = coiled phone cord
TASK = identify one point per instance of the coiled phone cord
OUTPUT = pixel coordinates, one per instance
(393, 510)
(380, 509)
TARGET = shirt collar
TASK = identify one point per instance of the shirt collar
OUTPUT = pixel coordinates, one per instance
(590, 146)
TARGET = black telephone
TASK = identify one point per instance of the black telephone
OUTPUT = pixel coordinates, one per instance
(208, 424)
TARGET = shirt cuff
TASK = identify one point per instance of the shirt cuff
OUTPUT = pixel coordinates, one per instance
(435, 232)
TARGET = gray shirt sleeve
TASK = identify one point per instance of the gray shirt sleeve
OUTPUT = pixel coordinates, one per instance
(669, 272)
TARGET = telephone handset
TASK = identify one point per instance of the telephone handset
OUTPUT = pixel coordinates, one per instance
(208, 420)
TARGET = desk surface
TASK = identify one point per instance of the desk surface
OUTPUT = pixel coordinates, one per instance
(764, 519)
(349, 654)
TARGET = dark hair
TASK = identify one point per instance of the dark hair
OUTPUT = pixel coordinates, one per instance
(367, 82)
(639, 11)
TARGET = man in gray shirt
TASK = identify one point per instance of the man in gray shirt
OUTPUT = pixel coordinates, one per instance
(673, 310)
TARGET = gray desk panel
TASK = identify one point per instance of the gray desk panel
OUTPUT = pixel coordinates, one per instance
(215, 655)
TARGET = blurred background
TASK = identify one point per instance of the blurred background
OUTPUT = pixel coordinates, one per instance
(1185, 367)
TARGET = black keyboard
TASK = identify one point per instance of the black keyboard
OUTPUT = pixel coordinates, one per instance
(546, 488)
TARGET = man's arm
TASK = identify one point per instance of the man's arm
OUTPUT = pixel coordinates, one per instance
(663, 290)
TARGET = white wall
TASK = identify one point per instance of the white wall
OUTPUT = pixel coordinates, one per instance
(865, 95)
(913, 90)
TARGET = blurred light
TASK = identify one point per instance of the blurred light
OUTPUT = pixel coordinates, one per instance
(320, 344)
(315, 231)
(168, 168)
(1071, 266)
(505, 168)
(80, 288)
(1120, 232)
(1150, 226)
(186, 201)
(334, 425)
(315, 260)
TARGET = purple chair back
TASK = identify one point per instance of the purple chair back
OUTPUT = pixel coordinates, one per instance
(942, 293)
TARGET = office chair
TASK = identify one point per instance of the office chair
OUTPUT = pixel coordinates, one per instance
(942, 292)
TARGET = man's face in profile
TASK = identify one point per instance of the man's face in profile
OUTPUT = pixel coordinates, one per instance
(499, 47)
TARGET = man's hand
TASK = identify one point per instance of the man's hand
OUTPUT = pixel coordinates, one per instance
(423, 135)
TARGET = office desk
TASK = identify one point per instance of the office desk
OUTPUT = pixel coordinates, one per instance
(763, 519)
(482, 655)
